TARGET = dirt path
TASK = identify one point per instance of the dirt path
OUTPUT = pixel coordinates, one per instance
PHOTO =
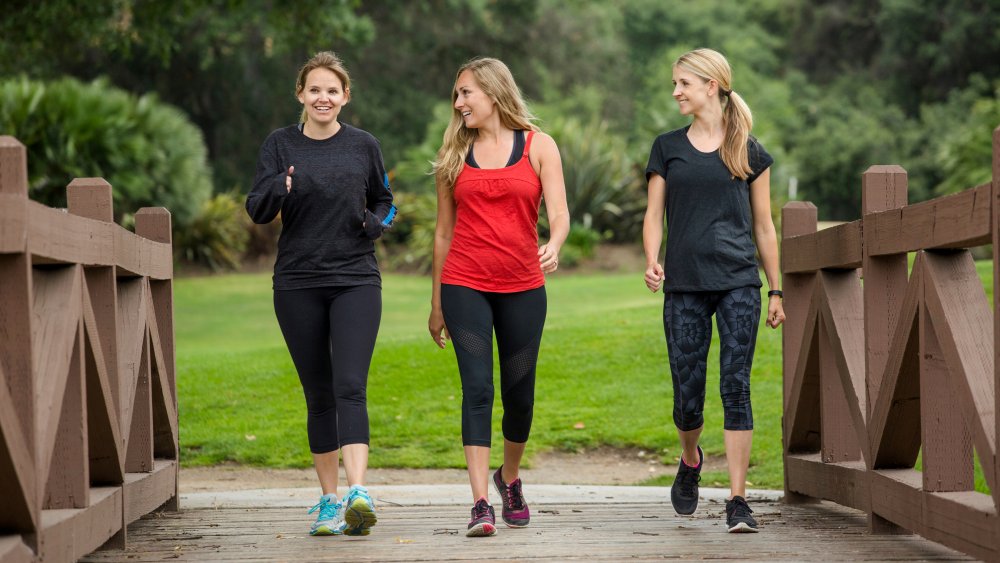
(605, 466)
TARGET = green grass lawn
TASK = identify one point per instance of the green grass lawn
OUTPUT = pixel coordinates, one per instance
(603, 363)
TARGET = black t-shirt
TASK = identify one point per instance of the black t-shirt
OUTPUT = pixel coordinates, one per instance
(709, 222)
(340, 201)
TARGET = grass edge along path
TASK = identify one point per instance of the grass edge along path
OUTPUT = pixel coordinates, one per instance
(603, 379)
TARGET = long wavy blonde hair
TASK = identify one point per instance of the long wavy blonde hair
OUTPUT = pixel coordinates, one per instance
(736, 117)
(497, 82)
(323, 59)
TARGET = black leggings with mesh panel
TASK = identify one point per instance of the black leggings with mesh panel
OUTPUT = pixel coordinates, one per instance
(687, 323)
(518, 318)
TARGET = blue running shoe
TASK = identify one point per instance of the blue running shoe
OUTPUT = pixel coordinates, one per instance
(359, 511)
(330, 521)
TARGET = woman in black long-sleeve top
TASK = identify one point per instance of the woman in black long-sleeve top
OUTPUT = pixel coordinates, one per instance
(328, 181)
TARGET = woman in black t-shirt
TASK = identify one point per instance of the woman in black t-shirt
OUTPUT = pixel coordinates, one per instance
(327, 181)
(712, 180)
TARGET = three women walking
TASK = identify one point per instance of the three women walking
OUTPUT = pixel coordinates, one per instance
(710, 180)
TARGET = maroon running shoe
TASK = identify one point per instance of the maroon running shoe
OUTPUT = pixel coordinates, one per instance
(484, 521)
(515, 511)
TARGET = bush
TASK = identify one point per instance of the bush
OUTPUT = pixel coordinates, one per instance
(604, 187)
(217, 237)
(149, 151)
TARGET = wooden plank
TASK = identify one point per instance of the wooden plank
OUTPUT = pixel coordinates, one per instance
(894, 426)
(844, 483)
(138, 256)
(558, 532)
(955, 298)
(965, 521)
(14, 550)
(68, 484)
(955, 519)
(106, 444)
(13, 223)
(69, 534)
(145, 492)
(947, 463)
(56, 310)
(842, 313)
(834, 248)
(101, 319)
(960, 220)
(896, 496)
(59, 237)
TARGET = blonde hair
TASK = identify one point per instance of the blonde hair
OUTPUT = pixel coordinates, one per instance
(496, 82)
(736, 117)
(323, 59)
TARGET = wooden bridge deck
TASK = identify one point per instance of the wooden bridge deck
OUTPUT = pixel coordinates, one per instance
(590, 529)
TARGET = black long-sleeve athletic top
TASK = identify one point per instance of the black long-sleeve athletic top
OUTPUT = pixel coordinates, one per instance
(339, 203)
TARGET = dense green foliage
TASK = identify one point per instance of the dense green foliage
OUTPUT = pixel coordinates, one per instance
(149, 151)
(835, 85)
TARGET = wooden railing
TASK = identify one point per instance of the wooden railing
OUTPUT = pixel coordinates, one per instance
(88, 402)
(884, 362)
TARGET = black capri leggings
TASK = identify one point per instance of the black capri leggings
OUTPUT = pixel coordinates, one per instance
(471, 316)
(687, 323)
(330, 332)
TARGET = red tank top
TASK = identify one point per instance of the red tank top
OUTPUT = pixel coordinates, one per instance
(495, 244)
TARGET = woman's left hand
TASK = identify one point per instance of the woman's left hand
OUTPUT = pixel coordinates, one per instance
(548, 257)
(775, 312)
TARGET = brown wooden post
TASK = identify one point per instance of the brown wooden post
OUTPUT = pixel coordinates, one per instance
(155, 223)
(885, 278)
(92, 198)
(882, 188)
(18, 479)
(996, 320)
(797, 218)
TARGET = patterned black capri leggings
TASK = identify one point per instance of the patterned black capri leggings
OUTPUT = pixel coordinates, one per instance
(687, 323)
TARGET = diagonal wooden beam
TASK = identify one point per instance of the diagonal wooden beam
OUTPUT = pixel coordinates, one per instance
(131, 331)
(842, 313)
(801, 419)
(106, 445)
(894, 426)
(164, 400)
(17, 475)
(963, 322)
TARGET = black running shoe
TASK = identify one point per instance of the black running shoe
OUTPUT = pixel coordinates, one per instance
(738, 517)
(483, 522)
(684, 491)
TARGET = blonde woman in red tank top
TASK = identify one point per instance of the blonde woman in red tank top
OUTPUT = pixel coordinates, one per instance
(492, 172)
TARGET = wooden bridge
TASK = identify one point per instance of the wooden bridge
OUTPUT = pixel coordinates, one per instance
(884, 363)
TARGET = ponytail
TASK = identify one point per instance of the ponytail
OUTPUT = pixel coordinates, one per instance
(737, 121)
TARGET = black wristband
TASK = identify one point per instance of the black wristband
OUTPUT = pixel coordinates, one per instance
(777, 292)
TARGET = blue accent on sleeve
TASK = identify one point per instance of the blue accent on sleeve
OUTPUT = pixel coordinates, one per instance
(389, 217)
(385, 181)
